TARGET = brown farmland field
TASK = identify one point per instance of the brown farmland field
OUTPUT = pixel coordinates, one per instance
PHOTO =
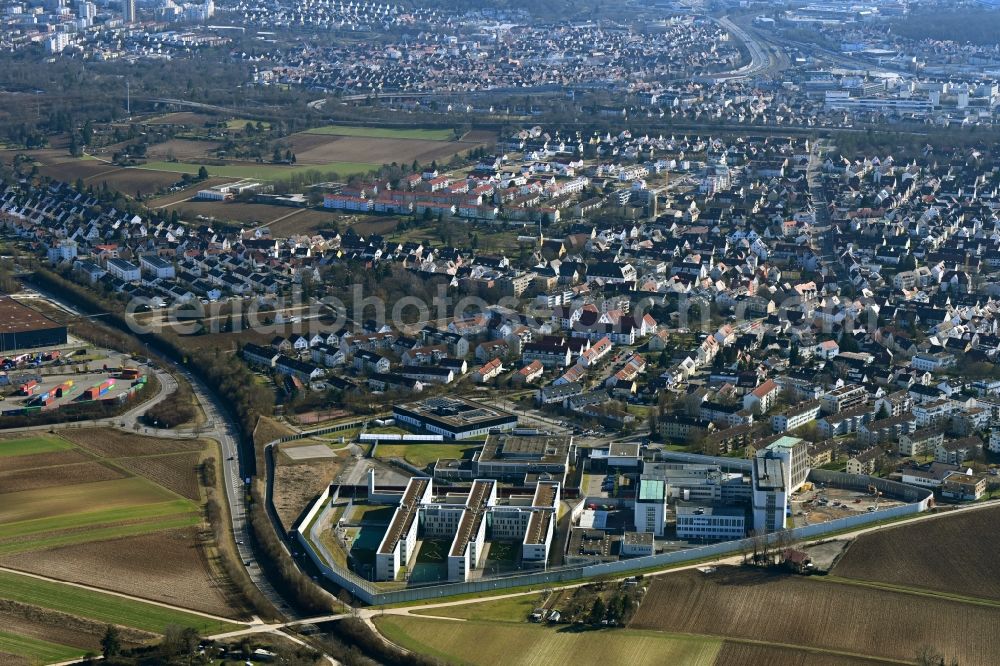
(320, 149)
(181, 149)
(176, 472)
(68, 172)
(96, 496)
(913, 556)
(167, 566)
(186, 193)
(304, 221)
(753, 654)
(739, 603)
(184, 118)
(15, 463)
(480, 136)
(60, 475)
(130, 181)
(232, 211)
(115, 444)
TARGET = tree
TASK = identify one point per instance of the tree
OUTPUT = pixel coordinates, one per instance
(597, 611)
(847, 342)
(111, 644)
(202, 173)
(793, 355)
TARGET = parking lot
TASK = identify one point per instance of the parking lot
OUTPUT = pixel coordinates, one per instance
(77, 367)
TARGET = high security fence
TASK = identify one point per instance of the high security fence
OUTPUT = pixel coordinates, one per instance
(371, 594)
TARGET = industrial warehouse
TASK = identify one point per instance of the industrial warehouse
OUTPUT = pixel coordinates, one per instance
(24, 328)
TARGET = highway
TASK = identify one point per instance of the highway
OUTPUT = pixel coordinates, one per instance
(760, 59)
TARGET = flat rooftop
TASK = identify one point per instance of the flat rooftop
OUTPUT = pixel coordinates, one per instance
(17, 318)
(538, 527)
(652, 490)
(708, 509)
(543, 448)
(455, 413)
(405, 514)
(785, 442)
(475, 511)
(545, 495)
(624, 450)
(591, 543)
(769, 474)
(638, 538)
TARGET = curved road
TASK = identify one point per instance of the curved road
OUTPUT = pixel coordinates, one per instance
(218, 426)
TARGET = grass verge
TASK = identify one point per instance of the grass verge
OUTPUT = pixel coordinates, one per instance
(36, 650)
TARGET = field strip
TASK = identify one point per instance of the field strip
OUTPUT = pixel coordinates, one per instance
(102, 534)
(37, 650)
(399, 134)
(526, 643)
(103, 173)
(257, 171)
(810, 649)
(915, 591)
(105, 606)
(67, 521)
(32, 445)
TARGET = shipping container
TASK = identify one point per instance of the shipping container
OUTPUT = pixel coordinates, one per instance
(28, 387)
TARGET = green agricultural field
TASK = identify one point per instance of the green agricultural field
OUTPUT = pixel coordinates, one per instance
(44, 542)
(480, 643)
(32, 445)
(122, 494)
(241, 123)
(102, 607)
(385, 132)
(260, 171)
(90, 518)
(421, 455)
(37, 651)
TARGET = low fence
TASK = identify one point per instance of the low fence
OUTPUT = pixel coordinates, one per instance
(397, 437)
(340, 427)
